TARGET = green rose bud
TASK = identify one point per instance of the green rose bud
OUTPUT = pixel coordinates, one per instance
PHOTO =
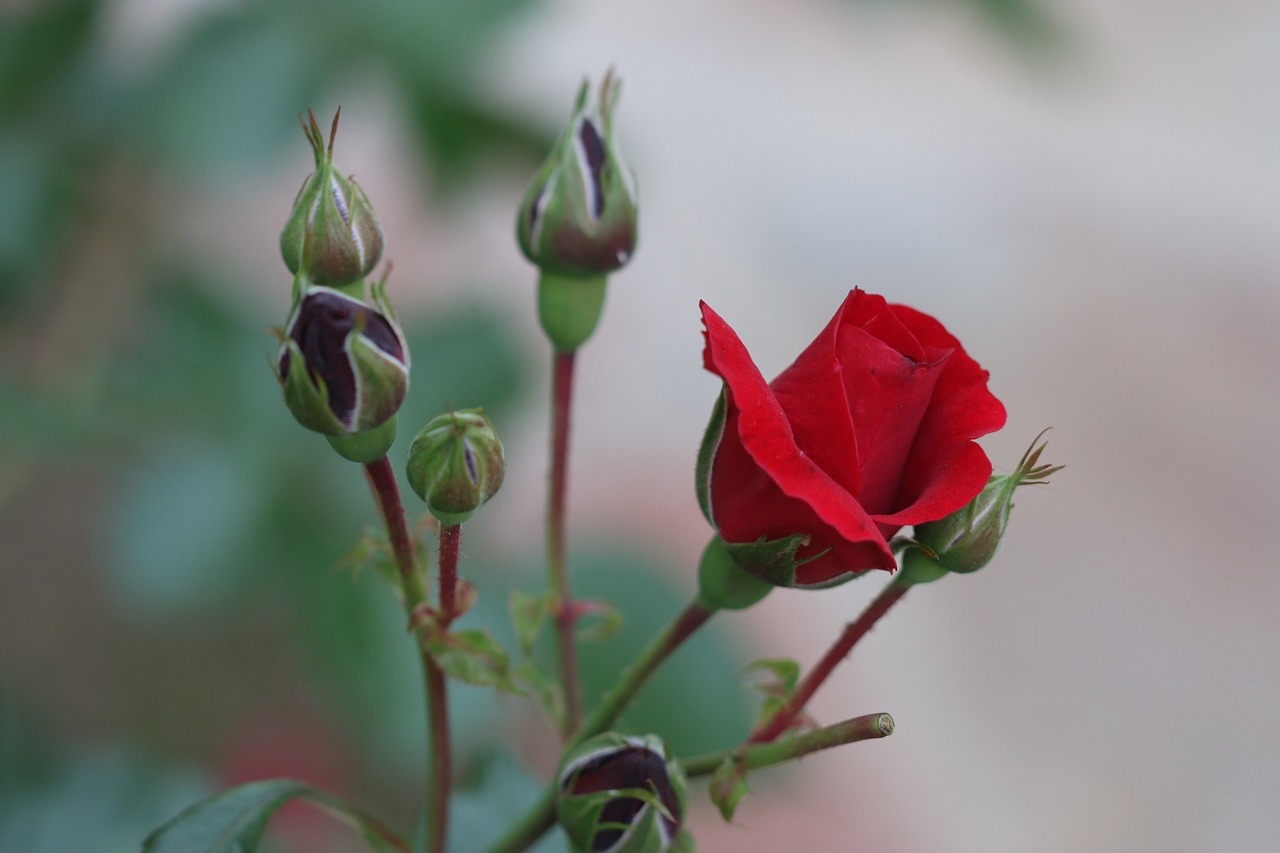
(578, 217)
(343, 365)
(622, 795)
(456, 464)
(966, 540)
(332, 234)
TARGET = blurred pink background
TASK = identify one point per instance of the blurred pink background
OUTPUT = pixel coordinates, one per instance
(1101, 230)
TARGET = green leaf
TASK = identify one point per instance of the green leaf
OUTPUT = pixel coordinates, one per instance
(475, 657)
(777, 689)
(609, 621)
(785, 672)
(545, 690)
(372, 551)
(528, 613)
(728, 786)
(234, 820)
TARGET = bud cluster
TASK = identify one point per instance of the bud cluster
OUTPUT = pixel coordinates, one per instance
(343, 362)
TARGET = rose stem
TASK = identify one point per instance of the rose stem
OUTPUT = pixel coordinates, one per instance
(382, 480)
(565, 614)
(853, 632)
(754, 756)
(438, 711)
(542, 815)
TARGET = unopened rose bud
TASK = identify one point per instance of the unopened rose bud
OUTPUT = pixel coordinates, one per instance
(343, 364)
(456, 464)
(578, 218)
(332, 234)
(966, 540)
(621, 795)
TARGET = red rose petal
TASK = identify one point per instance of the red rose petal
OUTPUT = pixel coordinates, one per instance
(766, 437)
(946, 468)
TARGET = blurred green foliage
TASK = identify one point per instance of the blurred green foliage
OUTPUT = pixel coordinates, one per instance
(212, 525)
(198, 528)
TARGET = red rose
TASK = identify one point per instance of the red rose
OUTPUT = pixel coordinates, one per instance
(871, 429)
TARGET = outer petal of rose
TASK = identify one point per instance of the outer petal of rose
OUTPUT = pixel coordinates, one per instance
(947, 469)
(766, 437)
(811, 393)
(749, 505)
(889, 380)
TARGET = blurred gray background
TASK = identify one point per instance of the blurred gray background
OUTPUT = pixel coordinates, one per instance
(1087, 194)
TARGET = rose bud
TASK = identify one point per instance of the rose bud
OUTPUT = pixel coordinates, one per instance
(344, 365)
(578, 217)
(456, 464)
(806, 478)
(332, 234)
(622, 795)
(577, 222)
(967, 539)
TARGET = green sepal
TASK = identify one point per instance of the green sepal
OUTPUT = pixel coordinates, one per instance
(381, 382)
(772, 560)
(707, 454)
(475, 657)
(728, 786)
(307, 397)
(918, 567)
(368, 446)
(641, 836)
(569, 308)
(724, 584)
(683, 843)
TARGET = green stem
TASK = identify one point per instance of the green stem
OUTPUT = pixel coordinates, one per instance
(753, 756)
(839, 650)
(542, 815)
(634, 677)
(557, 561)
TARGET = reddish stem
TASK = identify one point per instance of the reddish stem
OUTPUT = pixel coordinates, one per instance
(382, 479)
(450, 537)
(441, 759)
(386, 491)
(853, 632)
(565, 613)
